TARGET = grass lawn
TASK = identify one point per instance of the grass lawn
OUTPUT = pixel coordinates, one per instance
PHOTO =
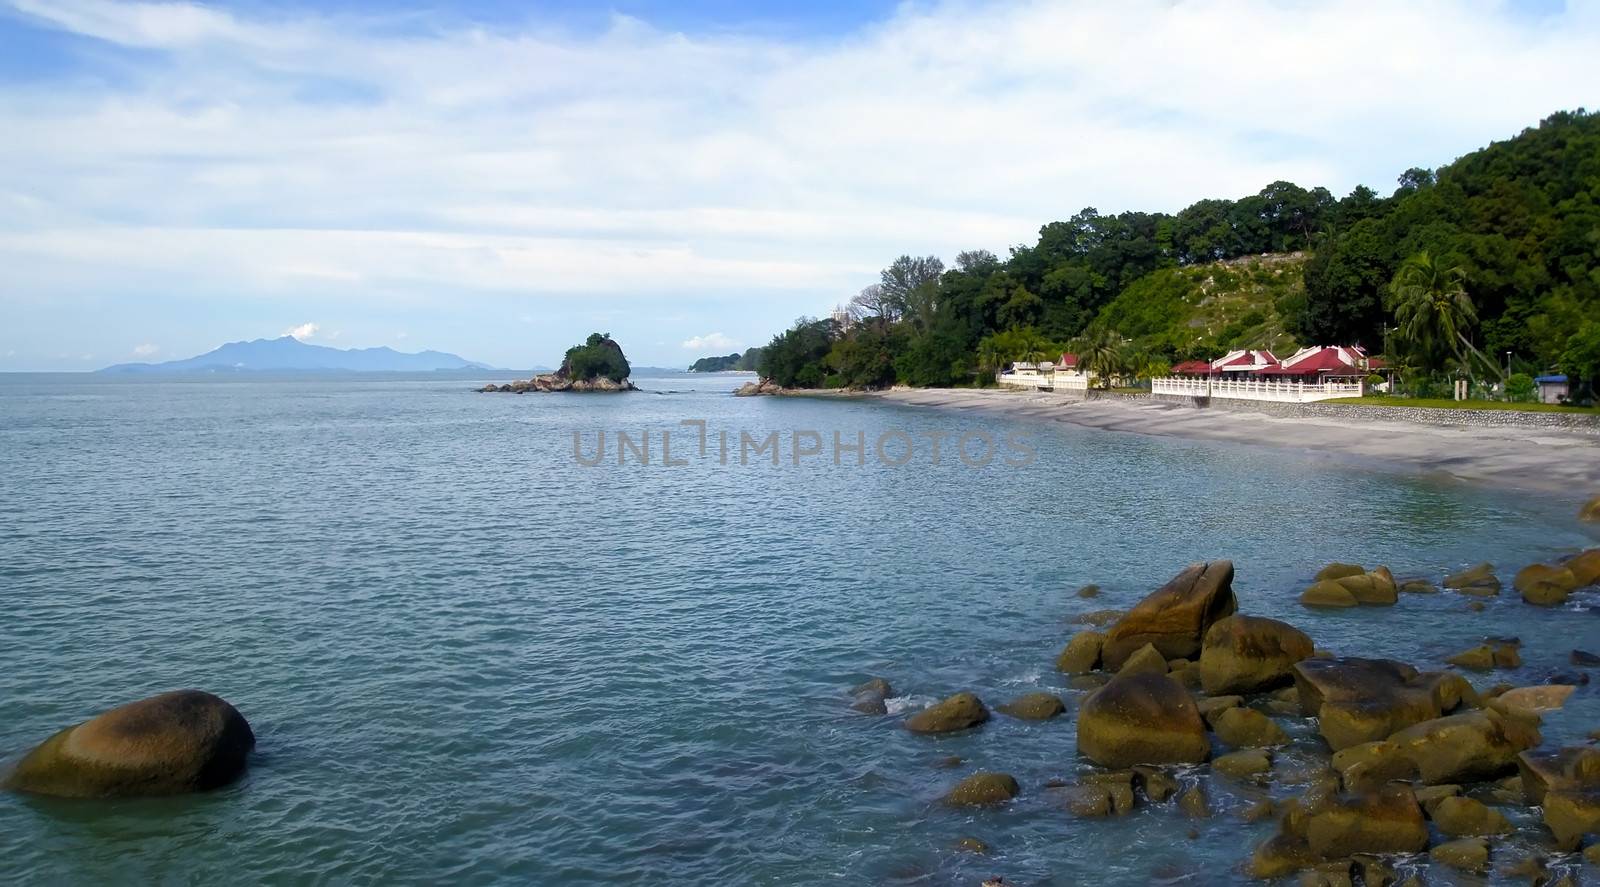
(1444, 404)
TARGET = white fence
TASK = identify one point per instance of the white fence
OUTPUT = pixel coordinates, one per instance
(1048, 381)
(1255, 389)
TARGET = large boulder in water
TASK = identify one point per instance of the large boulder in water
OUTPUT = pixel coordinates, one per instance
(1142, 718)
(1363, 700)
(1478, 580)
(1176, 616)
(1585, 567)
(1040, 706)
(1082, 653)
(1249, 654)
(1544, 585)
(959, 712)
(983, 789)
(1562, 769)
(183, 741)
(1467, 747)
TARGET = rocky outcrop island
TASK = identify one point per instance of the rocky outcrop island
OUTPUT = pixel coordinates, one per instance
(596, 365)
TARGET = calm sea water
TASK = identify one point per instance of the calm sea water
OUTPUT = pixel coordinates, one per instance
(469, 658)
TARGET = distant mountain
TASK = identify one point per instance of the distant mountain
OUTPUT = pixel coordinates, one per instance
(289, 353)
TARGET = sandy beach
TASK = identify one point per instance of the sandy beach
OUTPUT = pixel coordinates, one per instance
(1556, 461)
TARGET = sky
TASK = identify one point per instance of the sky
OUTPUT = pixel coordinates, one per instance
(499, 179)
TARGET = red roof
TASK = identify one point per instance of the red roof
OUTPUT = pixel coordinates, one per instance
(1067, 360)
(1193, 368)
(1245, 361)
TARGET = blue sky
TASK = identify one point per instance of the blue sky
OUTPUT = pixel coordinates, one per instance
(500, 179)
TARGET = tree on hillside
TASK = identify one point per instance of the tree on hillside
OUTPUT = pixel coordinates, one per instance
(911, 284)
(1434, 311)
(1345, 281)
(1581, 359)
(873, 305)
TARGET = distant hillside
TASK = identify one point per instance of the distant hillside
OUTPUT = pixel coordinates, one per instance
(289, 353)
(731, 362)
(1213, 307)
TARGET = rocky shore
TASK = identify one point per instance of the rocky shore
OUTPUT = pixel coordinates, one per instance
(549, 382)
(1374, 771)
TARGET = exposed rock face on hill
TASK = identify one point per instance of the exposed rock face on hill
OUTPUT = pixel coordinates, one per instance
(596, 365)
(751, 389)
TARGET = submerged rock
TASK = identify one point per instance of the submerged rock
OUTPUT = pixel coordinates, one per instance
(178, 742)
(1590, 510)
(1141, 719)
(1478, 580)
(1039, 706)
(983, 790)
(959, 712)
(871, 696)
(1175, 617)
(1251, 654)
(1337, 826)
(1467, 854)
(1247, 728)
(1370, 765)
(1328, 594)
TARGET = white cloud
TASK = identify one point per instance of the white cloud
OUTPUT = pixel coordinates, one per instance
(268, 157)
(711, 342)
(146, 350)
(302, 332)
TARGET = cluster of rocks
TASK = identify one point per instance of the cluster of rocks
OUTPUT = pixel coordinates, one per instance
(1544, 585)
(1401, 760)
(752, 389)
(549, 382)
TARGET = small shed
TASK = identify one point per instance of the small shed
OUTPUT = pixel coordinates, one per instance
(1552, 389)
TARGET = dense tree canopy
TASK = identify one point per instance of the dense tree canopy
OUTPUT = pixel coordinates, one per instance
(1519, 222)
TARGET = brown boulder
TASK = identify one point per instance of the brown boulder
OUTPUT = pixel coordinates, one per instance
(959, 712)
(178, 742)
(1082, 653)
(1543, 585)
(1478, 580)
(1141, 719)
(1370, 765)
(1337, 570)
(982, 790)
(1386, 820)
(1175, 617)
(1464, 817)
(1562, 769)
(1330, 594)
(1585, 567)
(871, 696)
(1570, 814)
(1467, 854)
(1250, 654)
(1361, 700)
(1146, 659)
(1247, 728)
(1034, 707)
(1466, 747)
(1590, 510)
(1536, 700)
(1244, 763)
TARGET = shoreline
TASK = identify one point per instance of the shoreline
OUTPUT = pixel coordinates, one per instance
(1548, 460)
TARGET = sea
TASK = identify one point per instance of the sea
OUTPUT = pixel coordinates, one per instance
(475, 647)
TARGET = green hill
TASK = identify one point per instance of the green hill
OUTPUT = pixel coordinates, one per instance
(1202, 310)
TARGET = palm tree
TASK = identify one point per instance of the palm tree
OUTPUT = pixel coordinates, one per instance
(1034, 347)
(990, 357)
(1100, 353)
(1434, 311)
